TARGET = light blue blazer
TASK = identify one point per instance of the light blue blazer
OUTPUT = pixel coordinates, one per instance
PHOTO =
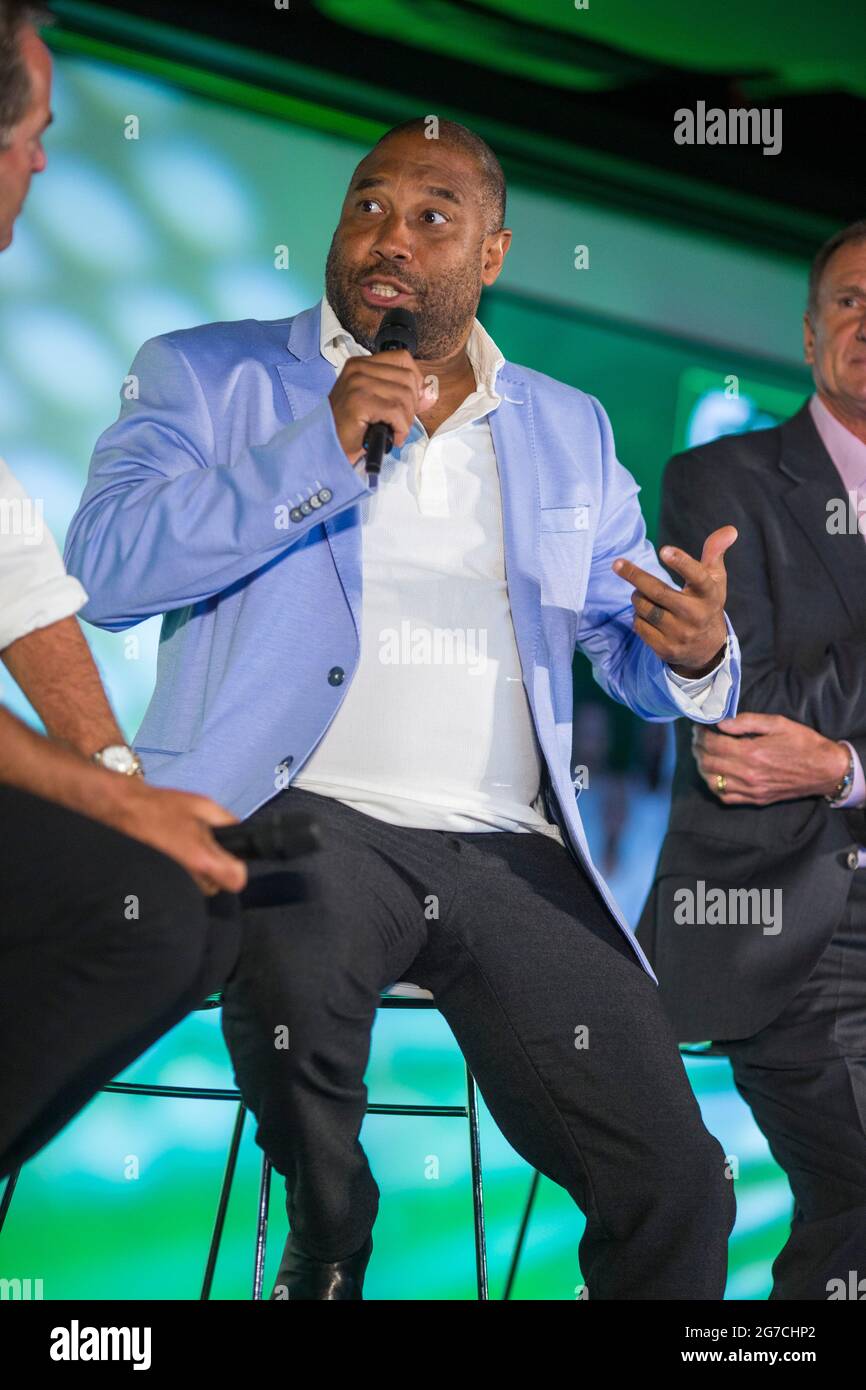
(221, 498)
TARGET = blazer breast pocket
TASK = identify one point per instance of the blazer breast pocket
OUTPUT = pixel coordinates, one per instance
(566, 551)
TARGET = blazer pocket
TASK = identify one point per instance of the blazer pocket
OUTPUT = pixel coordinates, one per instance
(566, 550)
(154, 758)
(774, 831)
(574, 518)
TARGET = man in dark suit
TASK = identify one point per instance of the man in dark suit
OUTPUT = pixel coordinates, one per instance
(756, 921)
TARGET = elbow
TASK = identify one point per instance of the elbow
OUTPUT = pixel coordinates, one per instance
(102, 616)
(104, 595)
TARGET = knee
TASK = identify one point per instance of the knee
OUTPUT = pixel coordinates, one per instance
(699, 1186)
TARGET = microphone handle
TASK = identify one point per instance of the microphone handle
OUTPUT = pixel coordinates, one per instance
(379, 439)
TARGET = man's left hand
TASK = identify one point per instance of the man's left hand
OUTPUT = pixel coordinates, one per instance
(783, 760)
(685, 627)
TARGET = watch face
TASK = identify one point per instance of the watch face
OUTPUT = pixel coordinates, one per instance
(118, 758)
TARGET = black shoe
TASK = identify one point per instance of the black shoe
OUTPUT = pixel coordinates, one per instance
(302, 1277)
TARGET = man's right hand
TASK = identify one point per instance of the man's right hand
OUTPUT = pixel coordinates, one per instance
(387, 386)
(178, 824)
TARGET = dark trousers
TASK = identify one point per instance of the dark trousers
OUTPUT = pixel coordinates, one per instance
(104, 945)
(561, 1027)
(804, 1077)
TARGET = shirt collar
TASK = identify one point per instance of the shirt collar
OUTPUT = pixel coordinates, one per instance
(337, 345)
(845, 449)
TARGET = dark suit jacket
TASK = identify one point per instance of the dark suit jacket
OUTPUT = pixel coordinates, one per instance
(797, 600)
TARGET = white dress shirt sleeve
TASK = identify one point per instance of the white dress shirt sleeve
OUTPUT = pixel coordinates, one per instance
(35, 589)
(707, 695)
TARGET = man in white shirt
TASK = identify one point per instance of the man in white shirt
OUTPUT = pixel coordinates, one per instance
(83, 987)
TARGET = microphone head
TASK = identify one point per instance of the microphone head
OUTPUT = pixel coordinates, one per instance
(398, 329)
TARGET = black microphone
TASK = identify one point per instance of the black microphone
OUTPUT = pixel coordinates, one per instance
(278, 837)
(281, 835)
(398, 329)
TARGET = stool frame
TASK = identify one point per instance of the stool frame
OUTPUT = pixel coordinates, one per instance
(399, 999)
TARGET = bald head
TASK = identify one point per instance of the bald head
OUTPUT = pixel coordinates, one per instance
(450, 135)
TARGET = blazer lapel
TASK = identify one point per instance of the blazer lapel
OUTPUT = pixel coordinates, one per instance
(517, 465)
(306, 381)
(805, 460)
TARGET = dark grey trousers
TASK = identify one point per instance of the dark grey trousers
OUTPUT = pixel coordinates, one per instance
(561, 1027)
(804, 1076)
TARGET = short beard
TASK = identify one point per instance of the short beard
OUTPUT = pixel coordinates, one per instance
(446, 308)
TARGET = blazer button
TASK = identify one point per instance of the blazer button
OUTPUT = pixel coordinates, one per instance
(296, 514)
(336, 675)
(852, 859)
(315, 500)
(325, 494)
(305, 508)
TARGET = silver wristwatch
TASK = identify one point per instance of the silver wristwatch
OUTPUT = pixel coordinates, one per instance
(119, 757)
(842, 789)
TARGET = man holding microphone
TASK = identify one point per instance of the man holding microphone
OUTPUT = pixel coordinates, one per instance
(400, 661)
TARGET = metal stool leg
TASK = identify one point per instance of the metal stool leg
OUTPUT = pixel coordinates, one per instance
(521, 1235)
(222, 1208)
(477, 1186)
(7, 1194)
(262, 1227)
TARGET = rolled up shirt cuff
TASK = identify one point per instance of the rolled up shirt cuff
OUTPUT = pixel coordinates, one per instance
(708, 694)
(35, 589)
(857, 795)
(39, 606)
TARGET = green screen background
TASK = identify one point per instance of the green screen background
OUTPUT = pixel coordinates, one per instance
(123, 239)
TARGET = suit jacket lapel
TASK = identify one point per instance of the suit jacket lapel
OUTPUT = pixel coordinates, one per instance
(516, 461)
(805, 460)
